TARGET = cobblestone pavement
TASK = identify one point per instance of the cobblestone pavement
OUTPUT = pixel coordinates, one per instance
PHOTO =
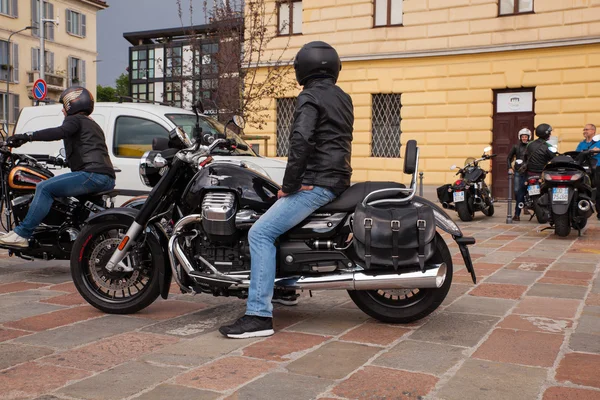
(530, 329)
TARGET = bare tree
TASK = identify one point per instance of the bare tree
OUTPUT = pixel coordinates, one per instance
(241, 75)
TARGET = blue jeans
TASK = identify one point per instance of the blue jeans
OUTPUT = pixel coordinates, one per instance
(519, 191)
(286, 213)
(65, 185)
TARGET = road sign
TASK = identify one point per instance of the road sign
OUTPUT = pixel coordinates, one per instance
(40, 89)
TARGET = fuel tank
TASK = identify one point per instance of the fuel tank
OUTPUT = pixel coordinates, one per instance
(253, 189)
(27, 177)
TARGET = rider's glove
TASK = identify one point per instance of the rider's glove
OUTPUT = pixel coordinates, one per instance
(18, 140)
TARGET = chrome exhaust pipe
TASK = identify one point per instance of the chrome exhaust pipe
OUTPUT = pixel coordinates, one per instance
(583, 205)
(521, 205)
(445, 205)
(478, 200)
(174, 249)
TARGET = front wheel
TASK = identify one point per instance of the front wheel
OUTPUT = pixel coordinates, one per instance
(115, 292)
(401, 306)
(462, 208)
(562, 226)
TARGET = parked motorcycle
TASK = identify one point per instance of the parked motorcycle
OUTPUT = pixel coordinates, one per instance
(532, 195)
(470, 193)
(54, 238)
(566, 194)
(123, 260)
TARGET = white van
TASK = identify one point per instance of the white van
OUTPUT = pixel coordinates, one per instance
(129, 129)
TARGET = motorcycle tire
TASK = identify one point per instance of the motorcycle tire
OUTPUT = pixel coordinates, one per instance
(402, 306)
(112, 292)
(488, 212)
(562, 225)
(540, 214)
(462, 208)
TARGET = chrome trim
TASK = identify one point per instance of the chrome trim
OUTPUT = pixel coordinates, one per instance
(412, 190)
(119, 255)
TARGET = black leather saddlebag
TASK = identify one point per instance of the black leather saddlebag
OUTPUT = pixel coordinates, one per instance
(394, 235)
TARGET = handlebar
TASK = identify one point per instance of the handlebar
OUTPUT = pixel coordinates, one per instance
(59, 162)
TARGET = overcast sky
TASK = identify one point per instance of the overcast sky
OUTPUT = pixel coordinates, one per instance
(130, 16)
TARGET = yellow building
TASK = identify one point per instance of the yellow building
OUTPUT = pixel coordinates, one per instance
(456, 75)
(70, 49)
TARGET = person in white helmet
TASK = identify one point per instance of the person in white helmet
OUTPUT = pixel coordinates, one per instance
(518, 153)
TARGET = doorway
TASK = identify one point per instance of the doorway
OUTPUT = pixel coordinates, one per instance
(513, 110)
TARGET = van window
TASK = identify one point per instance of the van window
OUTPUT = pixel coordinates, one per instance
(133, 136)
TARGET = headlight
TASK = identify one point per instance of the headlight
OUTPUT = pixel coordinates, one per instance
(151, 166)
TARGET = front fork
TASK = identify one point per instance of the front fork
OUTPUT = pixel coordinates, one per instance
(115, 264)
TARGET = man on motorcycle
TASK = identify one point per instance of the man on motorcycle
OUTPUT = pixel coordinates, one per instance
(538, 151)
(318, 170)
(589, 131)
(87, 156)
(518, 153)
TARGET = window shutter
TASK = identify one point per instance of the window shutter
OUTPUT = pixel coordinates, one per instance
(69, 71)
(16, 108)
(50, 62)
(35, 19)
(35, 61)
(68, 18)
(15, 62)
(82, 73)
(83, 28)
(50, 26)
(14, 10)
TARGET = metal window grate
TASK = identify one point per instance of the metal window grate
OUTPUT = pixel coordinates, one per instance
(285, 117)
(386, 125)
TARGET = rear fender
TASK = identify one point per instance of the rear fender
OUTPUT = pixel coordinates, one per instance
(127, 215)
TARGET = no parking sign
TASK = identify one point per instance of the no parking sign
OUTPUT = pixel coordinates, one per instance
(40, 89)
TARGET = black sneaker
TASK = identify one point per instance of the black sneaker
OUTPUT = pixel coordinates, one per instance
(249, 326)
(285, 297)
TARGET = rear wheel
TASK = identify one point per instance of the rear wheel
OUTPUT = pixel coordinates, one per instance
(402, 306)
(489, 211)
(540, 213)
(562, 227)
(463, 211)
(115, 292)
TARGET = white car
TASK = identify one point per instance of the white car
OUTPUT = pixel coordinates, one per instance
(129, 129)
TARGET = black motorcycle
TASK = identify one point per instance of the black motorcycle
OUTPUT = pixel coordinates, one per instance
(566, 194)
(470, 193)
(123, 259)
(532, 185)
(54, 238)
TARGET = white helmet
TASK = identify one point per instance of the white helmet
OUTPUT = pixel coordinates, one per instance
(525, 131)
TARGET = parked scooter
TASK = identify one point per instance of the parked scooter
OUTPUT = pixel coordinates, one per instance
(566, 194)
(470, 193)
(532, 195)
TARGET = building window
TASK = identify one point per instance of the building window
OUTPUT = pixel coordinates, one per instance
(290, 17)
(174, 62)
(48, 60)
(9, 69)
(76, 23)
(76, 72)
(285, 118)
(172, 93)
(9, 7)
(511, 7)
(133, 136)
(143, 91)
(387, 12)
(205, 60)
(385, 125)
(142, 64)
(13, 107)
(35, 19)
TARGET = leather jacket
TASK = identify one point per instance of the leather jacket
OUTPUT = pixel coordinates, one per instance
(537, 155)
(321, 139)
(518, 153)
(85, 144)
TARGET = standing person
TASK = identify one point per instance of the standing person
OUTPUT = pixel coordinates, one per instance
(518, 153)
(588, 143)
(87, 155)
(318, 171)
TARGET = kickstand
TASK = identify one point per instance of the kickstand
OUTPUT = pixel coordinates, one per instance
(531, 216)
(310, 293)
(548, 227)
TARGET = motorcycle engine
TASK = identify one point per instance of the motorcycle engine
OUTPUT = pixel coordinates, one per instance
(218, 216)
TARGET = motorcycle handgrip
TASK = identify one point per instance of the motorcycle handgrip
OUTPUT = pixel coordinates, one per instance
(493, 155)
(241, 146)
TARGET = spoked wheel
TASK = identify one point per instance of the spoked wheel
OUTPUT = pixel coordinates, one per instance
(115, 292)
(401, 306)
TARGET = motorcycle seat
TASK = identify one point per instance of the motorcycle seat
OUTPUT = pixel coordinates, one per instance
(355, 194)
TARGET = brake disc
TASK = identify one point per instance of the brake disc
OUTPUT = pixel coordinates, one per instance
(110, 280)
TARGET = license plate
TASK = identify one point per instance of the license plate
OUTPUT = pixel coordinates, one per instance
(533, 190)
(560, 194)
(459, 196)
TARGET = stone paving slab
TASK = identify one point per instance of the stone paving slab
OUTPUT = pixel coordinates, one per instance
(529, 329)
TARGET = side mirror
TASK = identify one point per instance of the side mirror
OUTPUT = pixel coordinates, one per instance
(62, 152)
(453, 167)
(487, 149)
(239, 121)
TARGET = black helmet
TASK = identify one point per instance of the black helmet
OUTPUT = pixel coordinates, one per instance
(317, 59)
(77, 99)
(543, 131)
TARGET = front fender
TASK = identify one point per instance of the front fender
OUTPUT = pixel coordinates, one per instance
(127, 215)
